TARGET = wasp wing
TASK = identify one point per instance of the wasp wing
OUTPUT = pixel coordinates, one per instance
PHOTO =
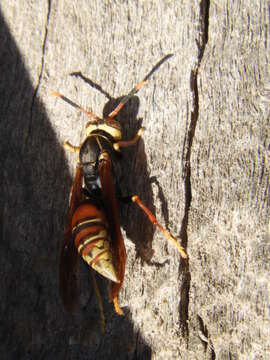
(68, 254)
(118, 246)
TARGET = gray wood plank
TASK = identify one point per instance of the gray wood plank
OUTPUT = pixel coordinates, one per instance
(202, 167)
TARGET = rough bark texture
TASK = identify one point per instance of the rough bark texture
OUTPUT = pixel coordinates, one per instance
(202, 167)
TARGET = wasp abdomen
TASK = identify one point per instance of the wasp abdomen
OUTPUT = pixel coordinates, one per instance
(92, 239)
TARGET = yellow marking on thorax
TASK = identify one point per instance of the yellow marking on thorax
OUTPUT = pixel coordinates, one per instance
(115, 133)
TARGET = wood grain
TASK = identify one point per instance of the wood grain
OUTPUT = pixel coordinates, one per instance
(202, 168)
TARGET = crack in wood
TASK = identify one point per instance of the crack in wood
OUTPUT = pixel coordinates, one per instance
(205, 338)
(184, 265)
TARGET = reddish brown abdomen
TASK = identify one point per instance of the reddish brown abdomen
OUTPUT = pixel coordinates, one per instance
(92, 239)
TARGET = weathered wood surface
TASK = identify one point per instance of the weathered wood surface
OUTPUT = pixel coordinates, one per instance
(229, 218)
(203, 167)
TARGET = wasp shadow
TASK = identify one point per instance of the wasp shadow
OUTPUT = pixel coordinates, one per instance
(133, 178)
(35, 183)
(132, 171)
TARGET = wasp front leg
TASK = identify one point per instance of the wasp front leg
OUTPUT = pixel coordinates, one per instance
(68, 146)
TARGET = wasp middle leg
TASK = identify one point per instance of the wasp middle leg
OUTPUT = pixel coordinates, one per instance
(130, 142)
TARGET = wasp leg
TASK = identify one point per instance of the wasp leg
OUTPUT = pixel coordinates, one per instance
(68, 146)
(126, 99)
(99, 299)
(117, 308)
(152, 218)
(127, 143)
(76, 106)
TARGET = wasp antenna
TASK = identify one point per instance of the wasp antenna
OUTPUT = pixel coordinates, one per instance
(76, 106)
(126, 98)
(56, 93)
(138, 87)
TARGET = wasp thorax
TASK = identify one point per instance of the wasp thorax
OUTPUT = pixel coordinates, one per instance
(109, 126)
(89, 151)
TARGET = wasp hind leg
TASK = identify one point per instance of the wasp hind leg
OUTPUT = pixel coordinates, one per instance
(153, 220)
(117, 308)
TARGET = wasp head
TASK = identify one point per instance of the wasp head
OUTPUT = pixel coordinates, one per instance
(109, 126)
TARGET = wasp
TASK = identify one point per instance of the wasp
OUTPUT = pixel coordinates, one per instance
(92, 227)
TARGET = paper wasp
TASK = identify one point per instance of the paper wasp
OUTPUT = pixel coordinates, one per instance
(92, 227)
